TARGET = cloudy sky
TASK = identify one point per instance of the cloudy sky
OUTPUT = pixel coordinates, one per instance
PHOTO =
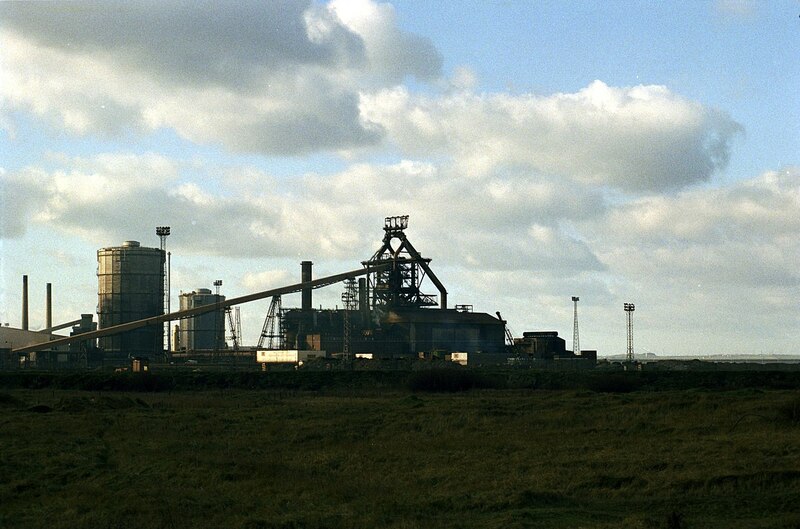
(618, 151)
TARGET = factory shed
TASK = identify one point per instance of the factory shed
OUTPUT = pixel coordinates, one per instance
(547, 350)
(396, 333)
(542, 344)
(425, 330)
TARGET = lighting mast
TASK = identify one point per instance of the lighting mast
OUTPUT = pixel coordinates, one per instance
(217, 284)
(576, 342)
(163, 232)
(629, 308)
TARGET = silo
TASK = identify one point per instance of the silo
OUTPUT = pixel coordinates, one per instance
(198, 333)
(130, 286)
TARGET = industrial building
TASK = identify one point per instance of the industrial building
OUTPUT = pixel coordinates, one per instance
(549, 346)
(387, 314)
(390, 312)
(76, 354)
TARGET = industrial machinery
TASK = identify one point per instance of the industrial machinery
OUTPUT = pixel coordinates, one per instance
(399, 284)
(509, 335)
(388, 315)
(156, 321)
(387, 312)
(271, 337)
(234, 326)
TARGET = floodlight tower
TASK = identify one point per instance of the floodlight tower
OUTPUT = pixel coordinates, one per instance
(163, 232)
(629, 308)
(576, 343)
(217, 284)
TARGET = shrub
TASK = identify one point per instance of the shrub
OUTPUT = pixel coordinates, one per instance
(615, 383)
(789, 412)
(451, 381)
(676, 520)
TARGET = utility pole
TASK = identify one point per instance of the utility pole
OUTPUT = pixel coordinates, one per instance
(629, 308)
(576, 342)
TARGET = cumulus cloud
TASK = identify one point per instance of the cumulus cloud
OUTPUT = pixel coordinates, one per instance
(257, 281)
(19, 201)
(275, 77)
(234, 45)
(515, 223)
(392, 54)
(743, 234)
(688, 259)
(640, 138)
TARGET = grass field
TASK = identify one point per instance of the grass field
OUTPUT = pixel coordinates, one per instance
(395, 458)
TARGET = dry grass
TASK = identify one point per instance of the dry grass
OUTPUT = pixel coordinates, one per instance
(484, 458)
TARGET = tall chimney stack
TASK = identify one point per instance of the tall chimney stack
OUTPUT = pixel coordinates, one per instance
(305, 275)
(363, 303)
(48, 312)
(25, 302)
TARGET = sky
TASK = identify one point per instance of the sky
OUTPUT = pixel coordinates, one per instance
(619, 151)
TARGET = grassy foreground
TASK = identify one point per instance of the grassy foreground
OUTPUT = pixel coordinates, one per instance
(397, 459)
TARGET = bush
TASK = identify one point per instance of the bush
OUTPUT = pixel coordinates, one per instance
(451, 381)
(615, 383)
(789, 412)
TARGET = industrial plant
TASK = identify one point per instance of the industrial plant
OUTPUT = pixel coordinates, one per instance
(394, 309)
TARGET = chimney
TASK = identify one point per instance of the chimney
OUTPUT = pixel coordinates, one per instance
(362, 295)
(25, 302)
(48, 314)
(305, 276)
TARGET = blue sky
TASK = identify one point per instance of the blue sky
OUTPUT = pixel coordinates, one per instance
(620, 151)
(740, 56)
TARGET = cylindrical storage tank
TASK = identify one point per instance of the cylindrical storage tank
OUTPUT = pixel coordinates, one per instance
(130, 287)
(204, 332)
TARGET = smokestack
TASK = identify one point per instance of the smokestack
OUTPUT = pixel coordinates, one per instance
(362, 295)
(25, 303)
(305, 275)
(48, 312)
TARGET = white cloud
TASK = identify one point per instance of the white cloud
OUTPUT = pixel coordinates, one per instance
(720, 261)
(279, 78)
(259, 281)
(636, 139)
(512, 223)
(690, 260)
(20, 198)
(392, 53)
(529, 198)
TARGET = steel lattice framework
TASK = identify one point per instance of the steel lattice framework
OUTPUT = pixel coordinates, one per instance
(576, 342)
(271, 331)
(403, 269)
(629, 308)
(350, 300)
